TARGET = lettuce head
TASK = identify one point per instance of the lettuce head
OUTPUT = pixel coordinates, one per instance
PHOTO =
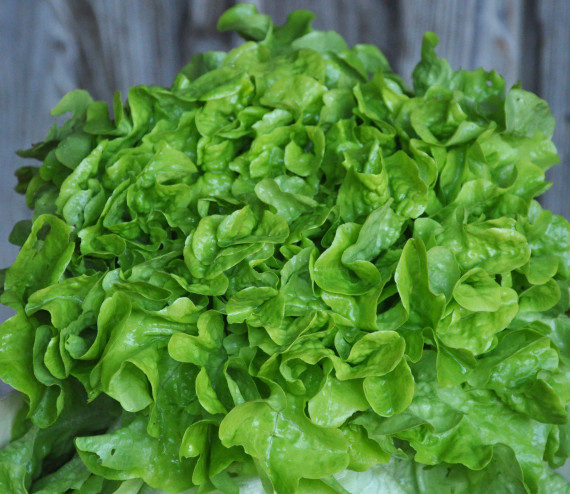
(290, 272)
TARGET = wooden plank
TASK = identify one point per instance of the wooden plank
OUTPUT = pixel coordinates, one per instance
(199, 32)
(472, 33)
(554, 83)
(31, 86)
(358, 21)
(115, 45)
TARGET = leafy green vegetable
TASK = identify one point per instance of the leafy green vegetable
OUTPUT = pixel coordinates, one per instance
(290, 272)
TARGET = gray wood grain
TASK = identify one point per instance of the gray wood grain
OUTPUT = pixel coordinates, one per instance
(199, 32)
(115, 45)
(358, 21)
(554, 86)
(32, 82)
(473, 33)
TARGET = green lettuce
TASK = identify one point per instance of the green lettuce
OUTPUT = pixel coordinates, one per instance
(291, 272)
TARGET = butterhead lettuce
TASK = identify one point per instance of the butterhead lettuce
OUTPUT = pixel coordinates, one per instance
(291, 272)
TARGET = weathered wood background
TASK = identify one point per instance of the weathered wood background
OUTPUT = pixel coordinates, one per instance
(49, 47)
